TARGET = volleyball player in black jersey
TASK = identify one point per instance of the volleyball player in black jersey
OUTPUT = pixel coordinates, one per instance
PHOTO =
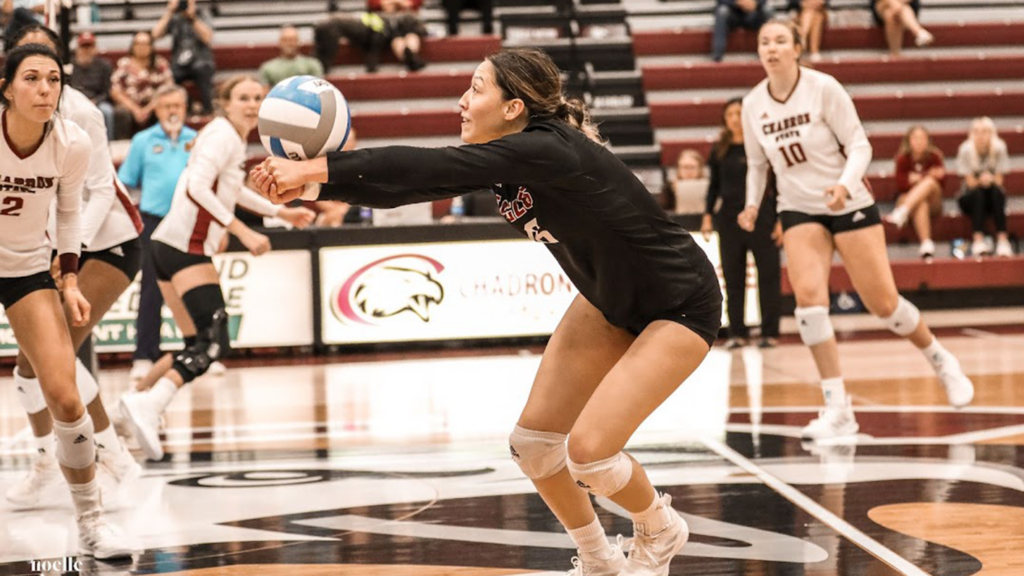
(649, 304)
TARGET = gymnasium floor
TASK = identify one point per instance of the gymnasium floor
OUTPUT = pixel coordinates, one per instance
(397, 465)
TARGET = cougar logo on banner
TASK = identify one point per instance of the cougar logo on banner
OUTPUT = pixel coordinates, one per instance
(405, 283)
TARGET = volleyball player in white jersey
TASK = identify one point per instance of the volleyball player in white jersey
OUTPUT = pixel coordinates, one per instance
(45, 157)
(110, 260)
(202, 211)
(804, 125)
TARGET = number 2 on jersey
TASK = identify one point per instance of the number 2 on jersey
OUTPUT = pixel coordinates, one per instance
(794, 154)
(12, 206)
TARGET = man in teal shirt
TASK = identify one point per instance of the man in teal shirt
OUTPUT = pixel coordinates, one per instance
(290, 62)
(156, 159)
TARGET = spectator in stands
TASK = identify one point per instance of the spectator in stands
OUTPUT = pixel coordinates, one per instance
(156, 158)
(732, 14)
(920, 172)
(290, 62)
(983, 162)
(811, 14)
(137, 77)
(728, 167)
(365, 31)
(405, 30)
(191, 56)
(91, 75)
(896, 16)
(454, 8)
(16, 13)
(685, 192)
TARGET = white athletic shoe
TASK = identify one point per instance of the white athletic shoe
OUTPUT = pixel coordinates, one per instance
(44, 477)
(584, 566)
(1003, 249)
(924, 38)
(980, 248)
(144, 419)
(119, 463)
(139, 370)
(99, 539)
(927, 249)
(898, 217)
(651, 555)
(832, 422)
(217, 369)
(959, 388)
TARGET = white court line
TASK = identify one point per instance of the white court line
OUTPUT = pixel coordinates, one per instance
(1012, 410)
(831, 520)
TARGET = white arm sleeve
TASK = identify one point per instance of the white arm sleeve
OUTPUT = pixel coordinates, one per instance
(757, 161)
(253, 202)
(99, 178)
(841, 116)
(205, 166)
(69, 196)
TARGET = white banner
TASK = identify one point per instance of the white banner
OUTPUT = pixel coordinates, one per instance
(269, 300)
(433, 291)
(415, 292)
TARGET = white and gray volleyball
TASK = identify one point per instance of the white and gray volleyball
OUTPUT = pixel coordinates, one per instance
(304, 117)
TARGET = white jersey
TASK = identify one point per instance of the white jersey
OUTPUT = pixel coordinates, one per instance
(208, 189)
(29, 185)
(813, 141)
(108, 216)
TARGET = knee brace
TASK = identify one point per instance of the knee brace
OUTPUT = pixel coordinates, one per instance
(604, 477)
(539, 455)
(904, 318)
(205, 304)
(30, 393)
(75, 446)
(814, 325)
(87, 387)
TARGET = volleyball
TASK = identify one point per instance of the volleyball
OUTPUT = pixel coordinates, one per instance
(304, 117)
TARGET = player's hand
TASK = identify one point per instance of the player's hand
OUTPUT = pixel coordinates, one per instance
(299, 217)
(748, 218)
(255, 242)
(706, 227)
(75, 304)
(986, 179)
(777, 234)
(279, 180)
(837, 196)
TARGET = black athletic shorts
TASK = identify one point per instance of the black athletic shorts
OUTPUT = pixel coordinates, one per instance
(14, 289)
(835, 224)
(126, 257)
(168, 260)
(701, 312)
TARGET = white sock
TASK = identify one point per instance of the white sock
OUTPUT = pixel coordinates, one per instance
(835, 392)
(107, 440)
(592, 541)
(656, 518)
(86, 497)
(45, 446)
(935, 353)
(162, 393)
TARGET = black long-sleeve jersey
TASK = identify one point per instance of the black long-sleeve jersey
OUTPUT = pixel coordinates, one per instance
(555, 186)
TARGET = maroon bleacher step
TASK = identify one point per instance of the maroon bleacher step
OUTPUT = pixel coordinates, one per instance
(744, 75)
(698, 40)
(701, 112)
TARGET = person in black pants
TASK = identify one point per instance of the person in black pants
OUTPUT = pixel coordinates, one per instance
(728, 166)
(454, 7)
(649, 304)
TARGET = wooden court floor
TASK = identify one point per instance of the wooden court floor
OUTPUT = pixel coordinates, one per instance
(398, 466)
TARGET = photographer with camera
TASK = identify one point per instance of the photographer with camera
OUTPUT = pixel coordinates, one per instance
(191, 57)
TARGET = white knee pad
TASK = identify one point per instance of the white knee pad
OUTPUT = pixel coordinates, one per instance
(30, 393)
(539, 455)
(904, 319)
(604, 477)
(75, 446)
(814, 325)
(87, 387)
